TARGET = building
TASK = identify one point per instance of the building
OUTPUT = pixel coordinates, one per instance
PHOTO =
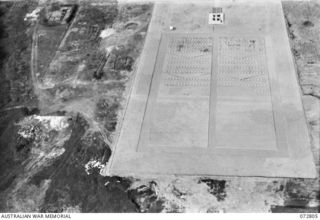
(216, 16)
(62, 15)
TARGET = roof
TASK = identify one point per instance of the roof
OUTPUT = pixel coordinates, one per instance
(216, 10)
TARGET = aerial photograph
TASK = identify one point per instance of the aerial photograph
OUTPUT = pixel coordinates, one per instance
(159, 106)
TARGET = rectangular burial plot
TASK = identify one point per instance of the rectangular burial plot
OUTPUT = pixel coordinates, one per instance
(177, 113)
(242, 105)
(218, 103)
(211, 94)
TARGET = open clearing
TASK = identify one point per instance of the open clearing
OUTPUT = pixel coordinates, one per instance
(215, 100)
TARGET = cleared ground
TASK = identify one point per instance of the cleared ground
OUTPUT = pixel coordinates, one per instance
(215, 100)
